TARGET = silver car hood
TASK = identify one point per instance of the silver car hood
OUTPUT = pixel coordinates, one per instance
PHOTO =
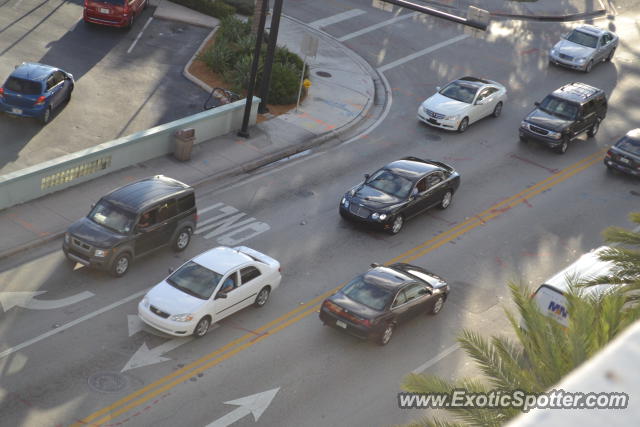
(573, 49)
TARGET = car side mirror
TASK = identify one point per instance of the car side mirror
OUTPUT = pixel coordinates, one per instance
(374, 265)
(438, 88)
(171, 270)
(537, 104)
(366, 176)
(221, 295)
(481, 101)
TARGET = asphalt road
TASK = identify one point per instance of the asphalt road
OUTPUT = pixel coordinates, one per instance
(126, 80)
(522, 213)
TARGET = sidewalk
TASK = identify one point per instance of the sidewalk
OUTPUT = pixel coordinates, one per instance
(341, 97)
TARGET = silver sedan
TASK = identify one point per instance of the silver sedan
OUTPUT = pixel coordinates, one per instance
(584, 47)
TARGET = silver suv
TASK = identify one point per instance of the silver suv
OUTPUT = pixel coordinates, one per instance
(584, 47)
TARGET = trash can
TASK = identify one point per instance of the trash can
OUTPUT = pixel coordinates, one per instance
(184, 143)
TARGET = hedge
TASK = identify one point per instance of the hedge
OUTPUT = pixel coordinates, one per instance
(231, 55)
(218, 9)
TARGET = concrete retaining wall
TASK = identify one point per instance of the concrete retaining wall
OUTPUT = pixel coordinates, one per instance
(72, 169)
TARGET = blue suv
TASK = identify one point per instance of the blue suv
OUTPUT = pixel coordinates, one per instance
(35, 90)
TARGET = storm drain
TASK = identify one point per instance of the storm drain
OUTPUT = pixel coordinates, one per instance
(323, 74)
(107, 382)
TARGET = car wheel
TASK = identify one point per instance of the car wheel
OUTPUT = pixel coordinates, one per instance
(120, 265)
(46, 116)
(446, 200)
(262, 297)
(563, 147)
(610, 57)
(498, 110)
(182, 240)
(588, 67)
(594, 129)
(130, 23)
(202, 327)
(397, 224)
(464, 124)
(386, 334)
(437, 306)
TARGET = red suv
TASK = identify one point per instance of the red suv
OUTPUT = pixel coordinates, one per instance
(115, 13)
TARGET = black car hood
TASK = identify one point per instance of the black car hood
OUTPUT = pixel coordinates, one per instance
(372, 198)
(94, 234)
(354, 307)
(547, 121)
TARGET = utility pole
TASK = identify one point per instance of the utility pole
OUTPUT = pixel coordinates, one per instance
(268, 61)
(254, 71)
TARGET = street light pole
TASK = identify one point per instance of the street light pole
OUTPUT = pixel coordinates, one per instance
(254, 72)
(268, 61)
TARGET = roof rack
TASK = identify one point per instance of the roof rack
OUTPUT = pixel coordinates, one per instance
(579, 89)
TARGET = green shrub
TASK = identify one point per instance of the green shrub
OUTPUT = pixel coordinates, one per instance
(243, 7)
(285, 81)
(220, 9)
(232, 29)
(238, 74)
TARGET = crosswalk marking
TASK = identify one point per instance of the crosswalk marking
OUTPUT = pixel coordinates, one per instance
(377, 26)
(325, 22)
(418, 54)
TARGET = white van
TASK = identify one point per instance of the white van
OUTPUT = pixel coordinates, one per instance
(550, 295)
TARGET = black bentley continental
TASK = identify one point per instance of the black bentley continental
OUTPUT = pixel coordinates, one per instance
(399, 191)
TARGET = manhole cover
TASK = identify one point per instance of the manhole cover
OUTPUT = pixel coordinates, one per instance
(323, 74)
(107, 382)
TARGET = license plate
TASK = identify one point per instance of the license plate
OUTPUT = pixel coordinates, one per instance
(435, 122)
(103, 10)
(624, 160)
(16, 111)
(341, 324)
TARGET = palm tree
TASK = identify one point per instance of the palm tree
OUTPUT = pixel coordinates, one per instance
(541, 354)
(626, 261)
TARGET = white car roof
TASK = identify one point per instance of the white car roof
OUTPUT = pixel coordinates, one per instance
(591, 29)
(222, 259)
(587, 267)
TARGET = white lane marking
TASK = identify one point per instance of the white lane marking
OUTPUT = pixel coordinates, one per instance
(230, 225)
(140, 34)
(325, 22)
(66, 326)
(377, 26)
(27, 300)
(144, 356)
(255, 404)
(436, 359)
(418, 54)
(134, 324)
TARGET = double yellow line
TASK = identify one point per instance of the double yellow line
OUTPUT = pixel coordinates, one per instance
(164, 384)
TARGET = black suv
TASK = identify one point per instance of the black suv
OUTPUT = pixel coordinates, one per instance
(131, 221)
(565, 114)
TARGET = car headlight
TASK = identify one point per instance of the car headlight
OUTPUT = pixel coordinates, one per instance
(145, 302)
(523, 124)
(185, 317)
(101, 253)
(66, 237)
(554, 135)
(345, 202)
(454, 117)
(378, 216)
(554, 52)
(581, 60)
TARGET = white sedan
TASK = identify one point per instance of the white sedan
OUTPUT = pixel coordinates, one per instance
(208, 288)
(462, 102)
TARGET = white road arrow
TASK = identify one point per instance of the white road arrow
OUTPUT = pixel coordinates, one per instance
(9, 300)
(144, 356)
(134, 323)
(255, 404)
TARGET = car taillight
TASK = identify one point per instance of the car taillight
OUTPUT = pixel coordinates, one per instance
(609, 154)
(1, 92)
(40, 100)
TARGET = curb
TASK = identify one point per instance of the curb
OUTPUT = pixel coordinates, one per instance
(552, 18)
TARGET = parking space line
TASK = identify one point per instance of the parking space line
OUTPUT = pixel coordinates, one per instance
(140, 34)
(325, 22)
(429, 363)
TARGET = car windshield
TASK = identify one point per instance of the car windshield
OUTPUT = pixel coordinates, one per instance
(112, 217)
(559, 107)
(195, 280)
(387, 182)
(629, 145)
(584, 39)
(367, 294)
(459, 92)
(25, 87)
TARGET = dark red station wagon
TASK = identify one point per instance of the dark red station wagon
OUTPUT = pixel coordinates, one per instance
(114, 13)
